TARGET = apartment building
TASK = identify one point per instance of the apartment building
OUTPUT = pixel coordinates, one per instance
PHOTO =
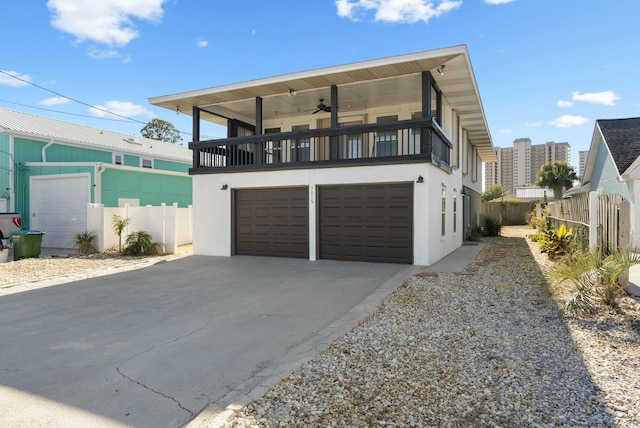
(583, 155)
(518, 166)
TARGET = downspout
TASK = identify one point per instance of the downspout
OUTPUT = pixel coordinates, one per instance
(12, 176)
(44, 150)
(97, 186)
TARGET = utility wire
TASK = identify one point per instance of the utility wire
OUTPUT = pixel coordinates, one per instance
(65, 112)
(128, 119)
(69, 98)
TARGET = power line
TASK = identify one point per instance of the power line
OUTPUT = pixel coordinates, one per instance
(128, 119)
(69, 98)
(64, 112)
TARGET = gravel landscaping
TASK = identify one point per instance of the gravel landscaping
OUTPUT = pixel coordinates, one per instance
(487, 347)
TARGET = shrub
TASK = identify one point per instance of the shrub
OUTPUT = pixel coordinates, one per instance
(84, 242)
(539, 223)
(491, 227)
(591, 279)
(140, 244)
(557, 243)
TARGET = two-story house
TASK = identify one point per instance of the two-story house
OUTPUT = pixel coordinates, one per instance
(372, 161)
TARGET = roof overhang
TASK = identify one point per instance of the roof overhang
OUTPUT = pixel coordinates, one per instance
(361, 85)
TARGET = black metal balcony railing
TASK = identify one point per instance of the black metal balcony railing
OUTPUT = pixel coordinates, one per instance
(416, 140)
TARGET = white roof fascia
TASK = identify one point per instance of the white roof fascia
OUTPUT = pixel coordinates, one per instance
(455, 50)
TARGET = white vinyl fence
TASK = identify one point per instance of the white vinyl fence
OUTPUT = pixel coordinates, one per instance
(168, 225)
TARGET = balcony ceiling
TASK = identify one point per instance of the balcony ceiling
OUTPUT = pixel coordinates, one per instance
(361, 86)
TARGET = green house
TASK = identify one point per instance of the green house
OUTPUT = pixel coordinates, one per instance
(50, 170)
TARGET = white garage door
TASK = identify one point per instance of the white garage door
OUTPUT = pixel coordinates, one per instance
(59, 208)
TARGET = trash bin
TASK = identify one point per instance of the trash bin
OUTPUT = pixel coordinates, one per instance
(26, 243)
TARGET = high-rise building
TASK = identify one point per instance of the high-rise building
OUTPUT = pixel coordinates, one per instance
(584, 154)
(518, 166)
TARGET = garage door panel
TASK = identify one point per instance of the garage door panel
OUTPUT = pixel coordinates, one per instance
(272, 222)
(367, 222)
(58, 206)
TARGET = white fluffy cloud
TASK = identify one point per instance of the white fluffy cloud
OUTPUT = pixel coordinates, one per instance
(403, 11)
(10, 81)
(506, 131)
(122, 108)
(568, 121)
(564, 104)
(54, 101)
(202, 43)
(498, 1)
(607, 98)
(105, 21)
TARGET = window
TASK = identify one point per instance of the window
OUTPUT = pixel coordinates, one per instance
(387, 141)
(416, 135)
(273, 149)
(351, 144)
(300, 147)
(443, 231)
(147, 163)
(455, 210)
(117, 159)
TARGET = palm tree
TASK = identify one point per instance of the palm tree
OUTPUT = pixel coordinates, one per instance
(558, 176)
(119, 224)
(592, 278)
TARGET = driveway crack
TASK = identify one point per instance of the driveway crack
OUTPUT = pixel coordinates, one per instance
(191, 414)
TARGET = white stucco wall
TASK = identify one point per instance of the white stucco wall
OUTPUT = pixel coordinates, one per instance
(212, 207)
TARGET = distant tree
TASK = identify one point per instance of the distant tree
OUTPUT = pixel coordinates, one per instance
(494, 192)
(158, 129)
(558, 176)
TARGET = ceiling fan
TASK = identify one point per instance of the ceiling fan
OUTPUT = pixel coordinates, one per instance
(322, 107)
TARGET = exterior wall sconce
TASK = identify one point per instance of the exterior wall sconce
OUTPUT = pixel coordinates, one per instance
(440, 70)
(225, 186)
(420, 179)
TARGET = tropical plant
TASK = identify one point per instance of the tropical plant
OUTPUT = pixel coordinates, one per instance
(119, 224)
(158, 129)
(557, 243)
(491, 227)
(539, 223)
(84, 242)
(494, 192)
(592, 279)
(558, 176)
(140, 244)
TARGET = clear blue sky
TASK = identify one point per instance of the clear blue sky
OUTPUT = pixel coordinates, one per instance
(546, 69)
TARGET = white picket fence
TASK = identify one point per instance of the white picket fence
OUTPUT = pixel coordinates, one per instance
(168, 225)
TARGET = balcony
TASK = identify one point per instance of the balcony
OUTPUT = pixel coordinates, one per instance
(416, 140)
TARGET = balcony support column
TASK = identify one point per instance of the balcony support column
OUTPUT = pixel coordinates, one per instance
(333, 141)
(195, 125)
(259, 147)
(425, 133)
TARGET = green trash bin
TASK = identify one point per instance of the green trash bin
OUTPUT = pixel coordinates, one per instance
(26, 243)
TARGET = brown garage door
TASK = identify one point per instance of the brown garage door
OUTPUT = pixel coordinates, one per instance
(372, 223)
(272, 222)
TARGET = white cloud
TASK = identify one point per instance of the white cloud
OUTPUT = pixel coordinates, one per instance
(97, 53)
(105, 21)
(10, 81)
(607, 98)
(203, 43)
(568, 121)
(564, 104)
(533, 124)
(506, 131)
(122, 108)
(54, 101)
(498, 1)
(403, 11)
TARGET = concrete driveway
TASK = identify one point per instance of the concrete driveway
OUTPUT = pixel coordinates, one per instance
(154, 347)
